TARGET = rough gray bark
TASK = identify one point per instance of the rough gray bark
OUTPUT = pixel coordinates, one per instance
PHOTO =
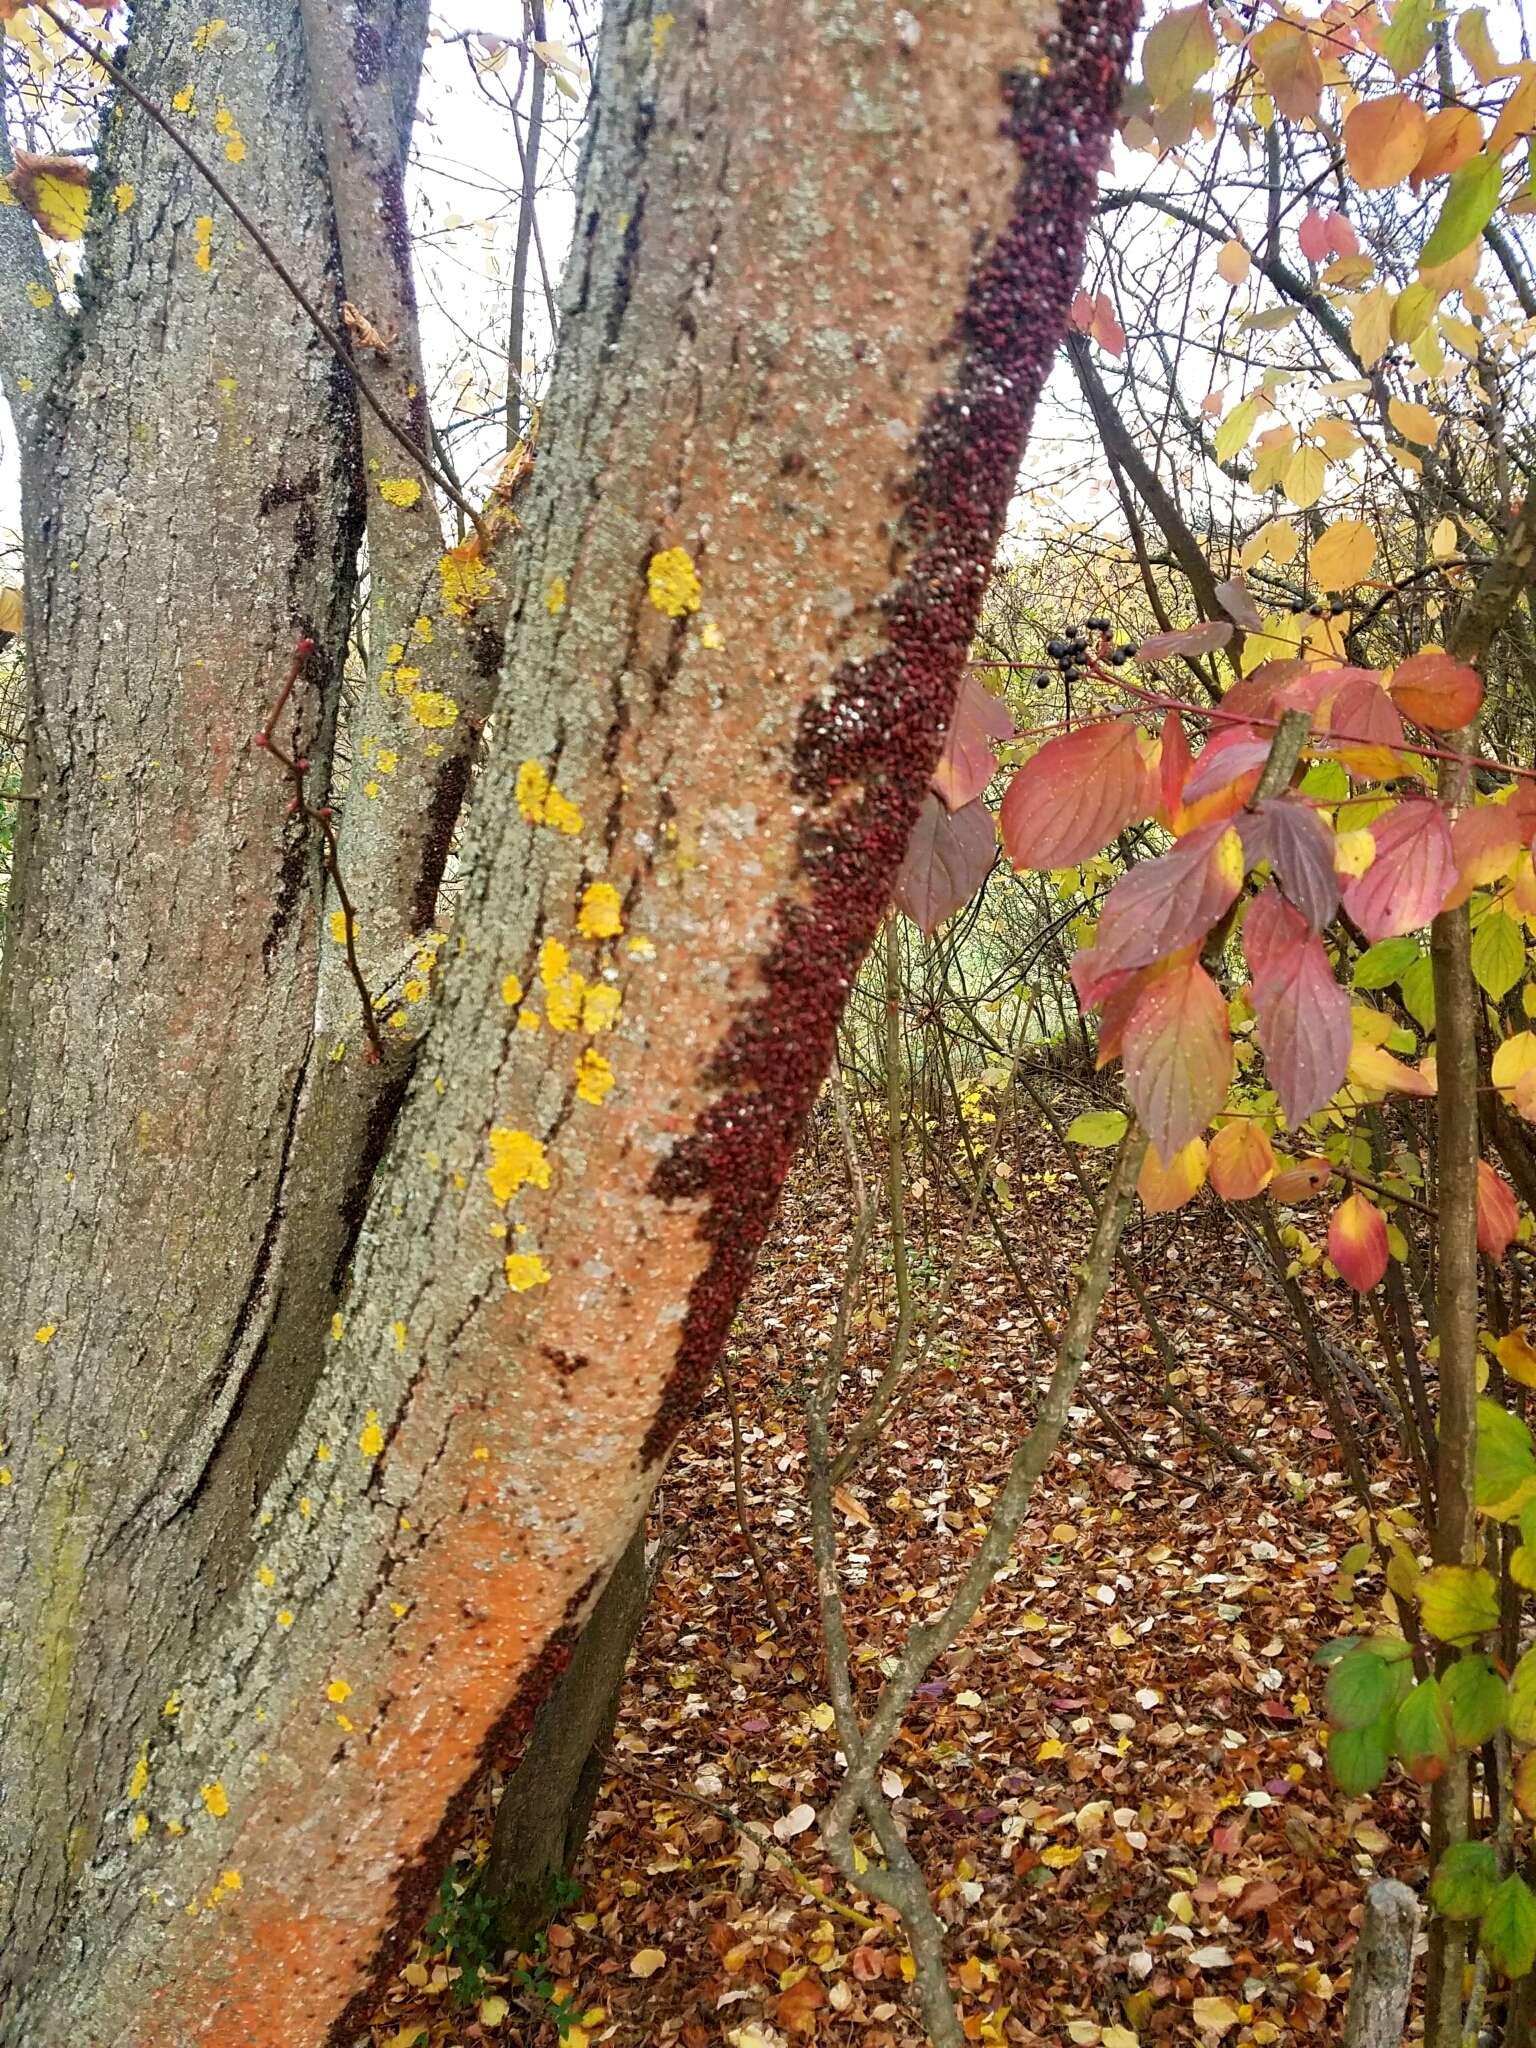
(1383, 1968)
(547, 1803)
(819, 274)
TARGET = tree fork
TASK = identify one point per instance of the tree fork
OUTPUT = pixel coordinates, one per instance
(820, 272)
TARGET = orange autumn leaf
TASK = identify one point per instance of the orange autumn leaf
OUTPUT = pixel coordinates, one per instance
(1242, 1160)
(1357, 1242)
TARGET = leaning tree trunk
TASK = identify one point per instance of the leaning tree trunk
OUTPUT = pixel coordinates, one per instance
(823, 256)
(546, 1805)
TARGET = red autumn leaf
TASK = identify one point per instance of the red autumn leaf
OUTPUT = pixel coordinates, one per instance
(1313, 235)
(1236, 755)
(1202, 639)
(1485, 840)
(1362, 718)
(1256, 696)
(1411, 876)
(1075, 795)
(1161, 906)
(1290, 835)
(1172, 767)
(1178, 1055)
(1498, 1219)
(1081, 315)
(1301, 1182)
(968, 763)
(1106, 329)
(1241, 1162)
(1436, 691)
(1302, 1013)
(1357, 1242)
(948, 858)
(1342, 239)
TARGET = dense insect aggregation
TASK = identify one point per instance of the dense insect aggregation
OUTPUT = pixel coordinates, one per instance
(864, 756)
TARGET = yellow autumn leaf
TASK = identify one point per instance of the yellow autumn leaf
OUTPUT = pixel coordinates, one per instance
(11, 615)
(1370, 332)
(1414, 422)
(1517, 1356)
(1305, 474)
(1233, 263)
(645, 1962)
(1343, 554)
(56, 191)
(1442, 541)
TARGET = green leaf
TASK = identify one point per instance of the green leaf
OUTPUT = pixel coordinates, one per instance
(1326, 780)
(1506, 1462)
(1405, 44)
(1471, 201)
(1458, 1603)
(1380, 965)
(1417, 989)
(1358, 1757)
(1098, 1127)
(1473, 1693)
(1359, 1690)
(1498, 954)
(1465, 1880)
(1508, 1932)
(1423, 1738)
(1520, 1700)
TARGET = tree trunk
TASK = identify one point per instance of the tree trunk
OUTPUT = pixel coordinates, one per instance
(1383, 1968)
(822, 260)
(547, 1804)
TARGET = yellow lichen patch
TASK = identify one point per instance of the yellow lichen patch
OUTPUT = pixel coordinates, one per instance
(7, 196)
(554, 961)
(40, 296)
(555, 595)
(138, 1783)
(184, 101)
(306, 1506)
(600, 1008)
(323, 1454)
(397, 1331)
(601, 913)
(204, 38)
(642, 948)
(711, 637)
(265, 1576)
(659, 30)
(594, 1077)
(400, 490)
(431, 708)
(123, 197)
(338, 1327)
(525, 1270)
(511, 989)
(562, 814)
(231, 1880)
(285, 1617)
(371, 1441)
(532, 790)
(414, 991)
(203, 230)
(7, 1476)
(215, 1798)
(337, 1691)
(517, 1158)
(139, 1826)
(480, 1452)
(673, 582)
(172, 1706)
(372, 789)
(563, 1001)
(529, 1020)
(467, 581)
(45, 1334)
(386, 761)
(423, 629)
(337, 924)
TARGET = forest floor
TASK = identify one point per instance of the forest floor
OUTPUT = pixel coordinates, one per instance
(1115, 1783)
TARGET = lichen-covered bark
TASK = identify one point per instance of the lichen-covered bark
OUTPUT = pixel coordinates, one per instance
(189, 511)
(824, 253)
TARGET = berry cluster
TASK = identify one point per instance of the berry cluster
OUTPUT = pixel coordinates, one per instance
(1069, 650)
